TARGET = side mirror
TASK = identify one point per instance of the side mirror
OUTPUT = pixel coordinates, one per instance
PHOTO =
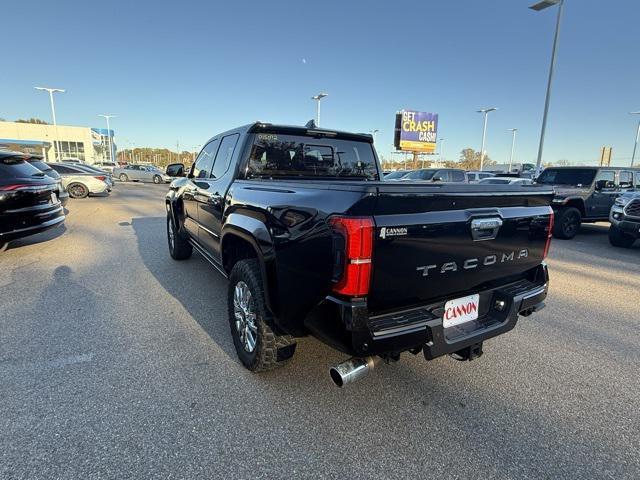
(602, 184)
(175, 170)
(437, 178)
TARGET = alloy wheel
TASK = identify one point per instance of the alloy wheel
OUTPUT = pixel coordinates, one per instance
(245, 316)
(171, 233)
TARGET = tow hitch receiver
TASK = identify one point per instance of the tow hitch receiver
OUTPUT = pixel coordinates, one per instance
(468, 353)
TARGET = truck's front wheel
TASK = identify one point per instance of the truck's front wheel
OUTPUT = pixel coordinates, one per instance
(179, 247)
(567, 223)
(258, 343)
(618, 238)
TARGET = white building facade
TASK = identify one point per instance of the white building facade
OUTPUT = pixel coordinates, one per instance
(56, 143)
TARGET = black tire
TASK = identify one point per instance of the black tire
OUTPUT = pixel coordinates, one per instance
(618, 238)
(179, 247)
(271, 348)
(157, 179)
(567, 223)
(77, 190)
(123, 177)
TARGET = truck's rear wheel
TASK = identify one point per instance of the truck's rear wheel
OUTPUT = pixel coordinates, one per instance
(567, 223)
(179, 247)
(259, 344)
(618, 238)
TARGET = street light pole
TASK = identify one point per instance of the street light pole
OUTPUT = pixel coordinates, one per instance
(513, 146)
(109, 141)
(537, 7)
(442, 150)
(374, 132)
(56, 143)
(635, 145)
(317, 98)
(485, 113)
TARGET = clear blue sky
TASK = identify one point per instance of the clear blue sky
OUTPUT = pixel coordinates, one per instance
(187, 70)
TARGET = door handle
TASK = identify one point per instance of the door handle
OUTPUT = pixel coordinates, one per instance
(215, 199)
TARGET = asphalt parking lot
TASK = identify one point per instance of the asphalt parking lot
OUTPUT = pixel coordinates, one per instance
(117, 362)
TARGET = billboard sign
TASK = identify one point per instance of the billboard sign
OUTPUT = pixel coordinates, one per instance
(416, 131)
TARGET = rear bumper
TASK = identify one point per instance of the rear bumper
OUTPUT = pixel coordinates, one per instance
(31, 222)
(357, 332)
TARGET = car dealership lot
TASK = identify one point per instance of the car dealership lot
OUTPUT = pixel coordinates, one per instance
(117, 362)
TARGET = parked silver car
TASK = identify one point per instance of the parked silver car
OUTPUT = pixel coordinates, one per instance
(141, 173)
(80, 182)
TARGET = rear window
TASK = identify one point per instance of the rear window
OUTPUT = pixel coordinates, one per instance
(577, 177)
(275, 155)
(40, 165)
(16, 167)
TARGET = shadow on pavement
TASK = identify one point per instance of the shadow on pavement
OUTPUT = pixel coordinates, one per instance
(193, 282)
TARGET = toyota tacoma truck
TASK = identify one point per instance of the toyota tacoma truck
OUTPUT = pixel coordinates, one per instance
(625, 220)
(313, 241)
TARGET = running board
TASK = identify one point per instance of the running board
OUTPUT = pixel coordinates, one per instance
(207, 257)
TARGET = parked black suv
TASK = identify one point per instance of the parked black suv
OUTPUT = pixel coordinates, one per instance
(29, 202)
(38, 162)
(585, 194)
(625, 220)
(313, 241)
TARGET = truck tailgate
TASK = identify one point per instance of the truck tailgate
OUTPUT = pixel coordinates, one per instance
(441, 241)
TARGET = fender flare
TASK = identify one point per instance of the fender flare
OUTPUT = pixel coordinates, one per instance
(571, 201)
(256, 233)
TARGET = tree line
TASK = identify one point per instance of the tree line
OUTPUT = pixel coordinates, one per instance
(469, 160)
(156, 156)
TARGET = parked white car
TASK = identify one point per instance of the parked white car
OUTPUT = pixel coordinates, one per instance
(80, 183)
(105, 166)
(475, 177)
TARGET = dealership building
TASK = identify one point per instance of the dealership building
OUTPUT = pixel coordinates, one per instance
(88, 144)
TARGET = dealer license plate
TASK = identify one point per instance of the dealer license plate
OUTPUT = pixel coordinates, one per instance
(460, 310)
(54, 197)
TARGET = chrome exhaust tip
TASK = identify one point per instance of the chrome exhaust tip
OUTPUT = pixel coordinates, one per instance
(352, 370)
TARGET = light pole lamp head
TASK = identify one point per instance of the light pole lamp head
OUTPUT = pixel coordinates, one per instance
(51, 90)
(319, 96)
(487, 110)
(544, 4)
(635, 113)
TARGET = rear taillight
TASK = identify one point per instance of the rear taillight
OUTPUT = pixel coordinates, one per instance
(101, 177)
(549, 231)
(353, 253)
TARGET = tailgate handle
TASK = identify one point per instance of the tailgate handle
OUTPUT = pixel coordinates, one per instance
(485, 228)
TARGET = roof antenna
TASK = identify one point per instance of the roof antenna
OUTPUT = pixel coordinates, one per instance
(311, 124)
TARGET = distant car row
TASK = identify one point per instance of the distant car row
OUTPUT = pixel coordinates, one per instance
(454, 175)
(33, 192)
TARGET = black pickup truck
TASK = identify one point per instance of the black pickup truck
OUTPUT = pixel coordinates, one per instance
(313, 241)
